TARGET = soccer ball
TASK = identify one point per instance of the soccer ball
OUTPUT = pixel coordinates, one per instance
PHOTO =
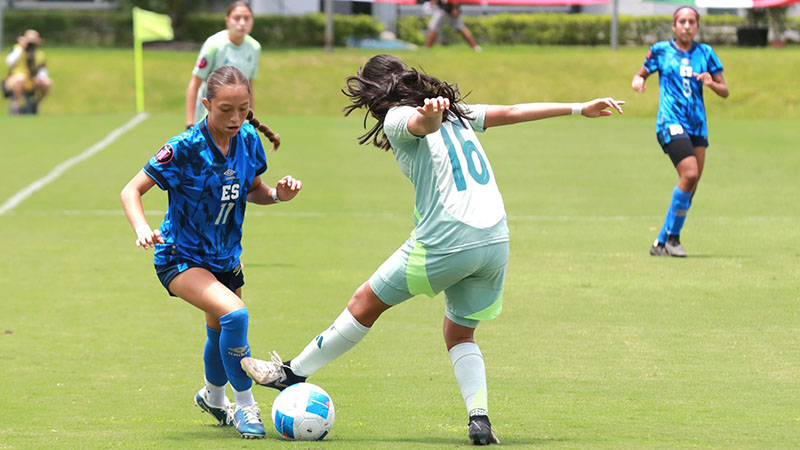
(303, 412)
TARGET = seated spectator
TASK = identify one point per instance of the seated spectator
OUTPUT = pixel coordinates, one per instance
(27, 82)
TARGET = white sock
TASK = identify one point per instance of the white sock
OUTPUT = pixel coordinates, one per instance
(343, 334)
(216, 394)
(471, 376)
(243, 398)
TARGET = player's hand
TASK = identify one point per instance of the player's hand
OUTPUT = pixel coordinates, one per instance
(147, 237)
(288, 187)
(22, 42)
(705, 78)
(599, 107)
(638, 83)
(434, 106)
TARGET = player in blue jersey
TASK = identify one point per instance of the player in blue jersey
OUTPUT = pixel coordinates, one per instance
(684, 67)
(211, 171)
(460, 242)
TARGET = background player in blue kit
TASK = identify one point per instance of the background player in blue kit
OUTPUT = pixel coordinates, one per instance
(460, 242)
(211, 171)
(684, 67)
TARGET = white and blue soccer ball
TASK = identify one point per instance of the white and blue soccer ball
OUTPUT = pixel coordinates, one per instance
(303, 412)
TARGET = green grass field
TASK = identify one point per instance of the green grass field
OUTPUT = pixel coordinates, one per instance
(600, 346)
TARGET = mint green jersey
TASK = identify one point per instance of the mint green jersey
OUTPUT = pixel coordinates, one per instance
(457, 203)
(218, 51)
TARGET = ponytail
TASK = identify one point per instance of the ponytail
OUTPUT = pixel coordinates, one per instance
(262, 127)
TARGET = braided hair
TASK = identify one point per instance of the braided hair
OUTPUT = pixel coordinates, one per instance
(385, 82)
(229, 75)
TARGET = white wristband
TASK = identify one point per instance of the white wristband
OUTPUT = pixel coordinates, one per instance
(577, 109)
(275, 196)
(143, 229)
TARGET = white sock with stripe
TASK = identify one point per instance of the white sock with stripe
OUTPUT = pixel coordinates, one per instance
(471, 376)
(341, 336)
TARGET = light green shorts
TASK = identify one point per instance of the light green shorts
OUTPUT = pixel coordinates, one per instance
(472, 280)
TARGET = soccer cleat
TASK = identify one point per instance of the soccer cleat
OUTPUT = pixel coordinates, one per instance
(248, 422)
(275, 374)
(658, 249)
(674, 247)
(223, 414)
(480, 431)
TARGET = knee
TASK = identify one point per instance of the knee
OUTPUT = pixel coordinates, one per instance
(365, 306)
(15, 82)
(235, 319)
(690, 178)
(44, 84)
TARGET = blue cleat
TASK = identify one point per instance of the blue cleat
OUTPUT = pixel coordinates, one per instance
(248, 422)
(223, 414)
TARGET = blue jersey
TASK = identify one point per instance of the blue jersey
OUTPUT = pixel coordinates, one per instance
(681, 106)
(207, 196)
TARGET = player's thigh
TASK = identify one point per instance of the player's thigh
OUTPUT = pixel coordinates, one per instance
(200, 288)
(411, 271)
(700, 153)
(678, 149)
(479, 296)
(437, 20)
(457, 23)
(16, 82)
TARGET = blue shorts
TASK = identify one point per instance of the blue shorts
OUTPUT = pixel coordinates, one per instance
(472, 279)
(233, 279)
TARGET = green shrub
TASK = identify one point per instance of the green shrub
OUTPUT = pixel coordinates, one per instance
(113, 28)
(573, 29)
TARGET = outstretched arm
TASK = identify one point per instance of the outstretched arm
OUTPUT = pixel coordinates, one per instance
(286, 189)
(497, 115)
(131, 197)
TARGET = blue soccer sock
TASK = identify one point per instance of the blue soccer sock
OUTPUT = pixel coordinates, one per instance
(215, 370)
(676, 214)
(233, 347)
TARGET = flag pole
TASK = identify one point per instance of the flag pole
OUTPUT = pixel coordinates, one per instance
(137, 55)
(329, 26)
(139, 72)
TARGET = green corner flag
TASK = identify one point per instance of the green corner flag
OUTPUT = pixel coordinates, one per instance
(147, 26)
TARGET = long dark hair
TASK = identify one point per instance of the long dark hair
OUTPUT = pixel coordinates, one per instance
(227, 76)
(385, 82)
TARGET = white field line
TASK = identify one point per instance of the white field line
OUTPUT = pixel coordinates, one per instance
(58, 170)
(254, 212)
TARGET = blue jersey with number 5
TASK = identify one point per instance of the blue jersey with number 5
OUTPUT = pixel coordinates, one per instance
(207, 195)
(681, 101)
(457, 204)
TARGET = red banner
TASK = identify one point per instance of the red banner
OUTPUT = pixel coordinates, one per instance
(511, 2)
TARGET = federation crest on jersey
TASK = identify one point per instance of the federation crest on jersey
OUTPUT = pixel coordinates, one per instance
(165, 154)
(202, 63)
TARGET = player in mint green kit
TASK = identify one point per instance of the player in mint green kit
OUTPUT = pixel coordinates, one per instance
(460, 242)
(232, 46)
